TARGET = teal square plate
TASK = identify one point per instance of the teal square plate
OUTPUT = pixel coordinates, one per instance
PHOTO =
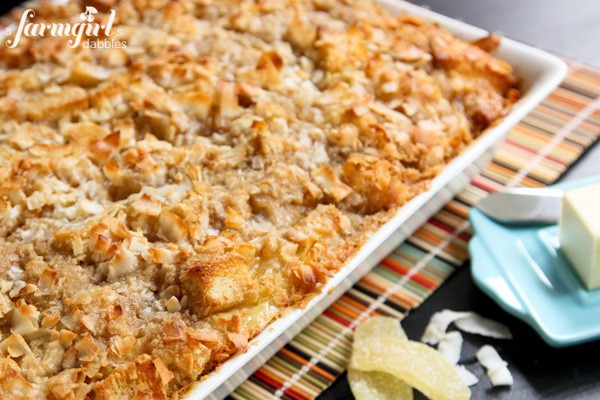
(522, 268)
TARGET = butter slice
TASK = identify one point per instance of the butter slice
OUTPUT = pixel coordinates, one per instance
(580, 232)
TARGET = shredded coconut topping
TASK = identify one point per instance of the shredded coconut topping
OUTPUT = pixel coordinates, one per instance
(161, 204)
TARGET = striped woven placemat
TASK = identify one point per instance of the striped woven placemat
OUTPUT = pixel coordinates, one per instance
(534, 154)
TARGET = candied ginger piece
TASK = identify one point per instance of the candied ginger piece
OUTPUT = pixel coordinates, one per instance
(417, 364)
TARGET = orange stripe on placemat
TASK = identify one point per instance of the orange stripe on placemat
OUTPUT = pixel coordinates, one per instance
(293, 356)
(435, 240)
(344, 310)
(354, 303)
(403, 270)
(535, 153)
(458, 208)
(507, 174)
(568, 99)
(370, 282)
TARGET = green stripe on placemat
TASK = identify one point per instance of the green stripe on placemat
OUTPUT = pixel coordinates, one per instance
(535, 153)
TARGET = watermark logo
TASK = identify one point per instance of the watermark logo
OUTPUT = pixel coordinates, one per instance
(73, 32)
(89, 13)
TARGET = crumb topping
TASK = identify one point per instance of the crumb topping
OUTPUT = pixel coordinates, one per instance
(161, 204)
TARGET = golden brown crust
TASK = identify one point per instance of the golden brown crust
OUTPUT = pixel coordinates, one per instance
(161, 204)
(217, 281)
(142, 379)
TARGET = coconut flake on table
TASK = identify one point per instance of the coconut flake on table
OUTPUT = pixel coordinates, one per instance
(450, 346)
(496, 368)
(478, 325)
(438, 325)
(466, 321)
(467, 376)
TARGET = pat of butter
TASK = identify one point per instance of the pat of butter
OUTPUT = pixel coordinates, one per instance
(580, 232)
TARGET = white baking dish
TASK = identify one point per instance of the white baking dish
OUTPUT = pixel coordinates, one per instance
(538, 72)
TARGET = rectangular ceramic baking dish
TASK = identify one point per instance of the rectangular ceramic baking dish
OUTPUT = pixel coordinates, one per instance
(539, 73)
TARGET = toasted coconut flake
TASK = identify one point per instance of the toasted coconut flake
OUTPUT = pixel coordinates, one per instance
(50, 320)
(488, 43)
(123, 347)
(66, 337)
(21, 288)
(146, 205)
(121, 264)
(46, 281)
(12, 383)
(160, 255)
(100, 239)
(227, 99)
(88, 75)
(410, 53)
(240, 341)
(196, 103)
(102, 149)
(205, 335)
(424, 136)
(171, 227)
(72, 319)
(175, 330)
(267, 72)
(300, 34)
(143, 378)
(305, 244)
(6, 304)
(24, 319)
(267, 144)
(89, 322)
(312, 193)
(15, 346)
(345, 135)
(331, 184)
(496, 368)
(87, 349)
(5, 286)
(69, 384)
(87, 207)
(102, 244)
(233, 218)
(165, 374)
(388, 113)
(172, 304)
(138, 244)
(247, 250)
(450, 346)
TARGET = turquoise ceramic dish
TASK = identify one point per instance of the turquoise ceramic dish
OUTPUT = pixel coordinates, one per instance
(523, 270)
